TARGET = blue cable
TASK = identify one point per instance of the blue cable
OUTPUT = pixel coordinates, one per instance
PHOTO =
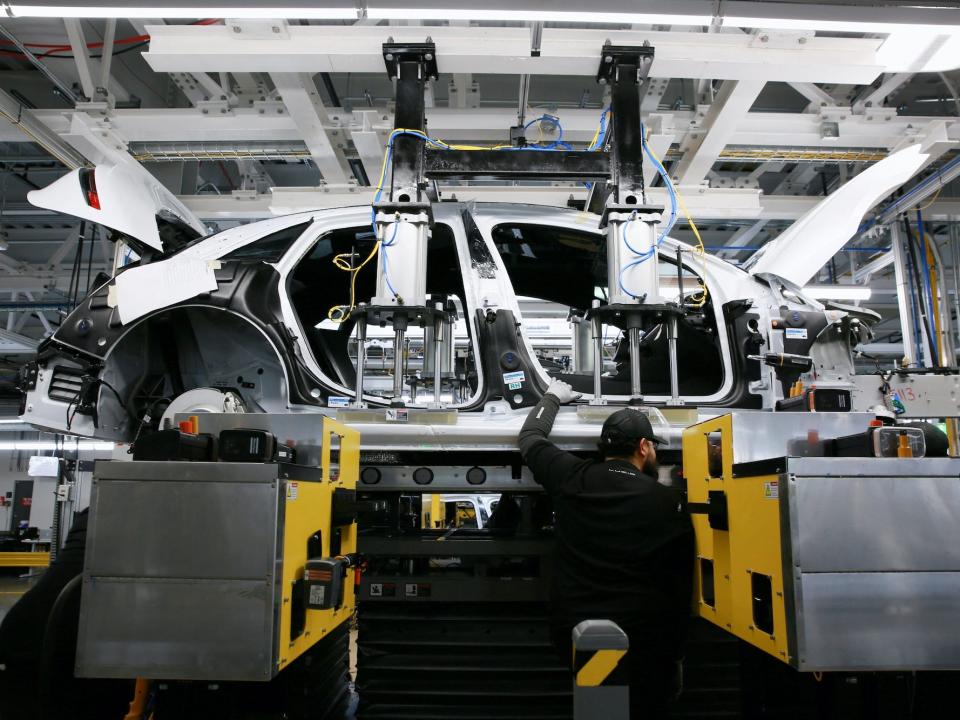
(646, 255)
(914, 312)
(928, 289)
(386, 244)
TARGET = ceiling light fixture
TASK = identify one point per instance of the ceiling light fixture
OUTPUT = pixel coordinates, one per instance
(838, 292)
(598, 17)
(107, 10)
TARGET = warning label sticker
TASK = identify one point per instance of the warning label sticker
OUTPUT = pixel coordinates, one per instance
(292, 490)
(771, 490)
(397, 414)
(317, 594)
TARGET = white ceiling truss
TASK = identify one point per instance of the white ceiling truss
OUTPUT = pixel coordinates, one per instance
(247, 96)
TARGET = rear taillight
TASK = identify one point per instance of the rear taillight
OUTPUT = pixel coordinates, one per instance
(88, 183)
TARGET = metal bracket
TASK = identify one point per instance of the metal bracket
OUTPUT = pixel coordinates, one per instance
(214, 107)
(423, 54)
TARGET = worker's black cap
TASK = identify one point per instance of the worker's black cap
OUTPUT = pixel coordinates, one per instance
(628, 425)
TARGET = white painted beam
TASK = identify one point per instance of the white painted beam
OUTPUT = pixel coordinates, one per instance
(765, 130)
(745, 235)
(65, 248)
(719, 204)
(300, 97)
(863, 273)
(78, 44)
(503, 50)
(704, 203)
(729, 108)
(817, 96)
(874, 97)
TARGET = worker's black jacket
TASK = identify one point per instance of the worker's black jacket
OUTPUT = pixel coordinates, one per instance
(624, 544)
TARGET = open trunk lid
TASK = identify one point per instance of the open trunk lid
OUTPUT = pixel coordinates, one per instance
(134, 204)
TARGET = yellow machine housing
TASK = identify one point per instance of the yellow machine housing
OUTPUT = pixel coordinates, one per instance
(826, 563)
(307, 507)
(732, 562)
(195, 570)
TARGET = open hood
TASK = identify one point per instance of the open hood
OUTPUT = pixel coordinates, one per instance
(132, 203)
(811, 241)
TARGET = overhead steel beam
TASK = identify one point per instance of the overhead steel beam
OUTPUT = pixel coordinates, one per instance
(29, 283)
(79, 46)
(300, 97)
(263, 123)
(874, 97)
(44, 70)
(863, 273)
(745, 235)
(505, 50)
(106, 57)
(25, 123)
(817, 96)
(707, 203)
(729, 108)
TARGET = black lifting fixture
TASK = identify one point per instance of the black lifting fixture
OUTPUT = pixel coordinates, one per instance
(616, 175)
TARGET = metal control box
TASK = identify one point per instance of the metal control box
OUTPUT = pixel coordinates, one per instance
(195, 570)
(826, 563)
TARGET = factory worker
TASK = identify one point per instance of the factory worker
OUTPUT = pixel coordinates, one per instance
(624, 546)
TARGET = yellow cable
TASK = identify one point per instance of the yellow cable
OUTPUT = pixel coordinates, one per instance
(338, 262)
(699, 303)
(932, 200)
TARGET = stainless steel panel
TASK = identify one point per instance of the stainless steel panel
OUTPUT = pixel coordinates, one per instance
(880, 621)
(904, 468)
(183, 529)
(864, 524)
(181, 571)
(759, 435)
(176, 629)
(206, 472)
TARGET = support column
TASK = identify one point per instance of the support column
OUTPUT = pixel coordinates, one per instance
(902, 275)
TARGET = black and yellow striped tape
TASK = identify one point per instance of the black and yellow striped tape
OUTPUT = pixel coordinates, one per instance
(595, 668)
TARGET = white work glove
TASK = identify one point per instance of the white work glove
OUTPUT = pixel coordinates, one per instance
(562, 391)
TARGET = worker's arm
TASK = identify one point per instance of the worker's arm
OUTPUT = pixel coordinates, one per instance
(550, 464)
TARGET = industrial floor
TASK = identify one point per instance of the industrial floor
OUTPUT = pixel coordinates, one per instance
(11, 588)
